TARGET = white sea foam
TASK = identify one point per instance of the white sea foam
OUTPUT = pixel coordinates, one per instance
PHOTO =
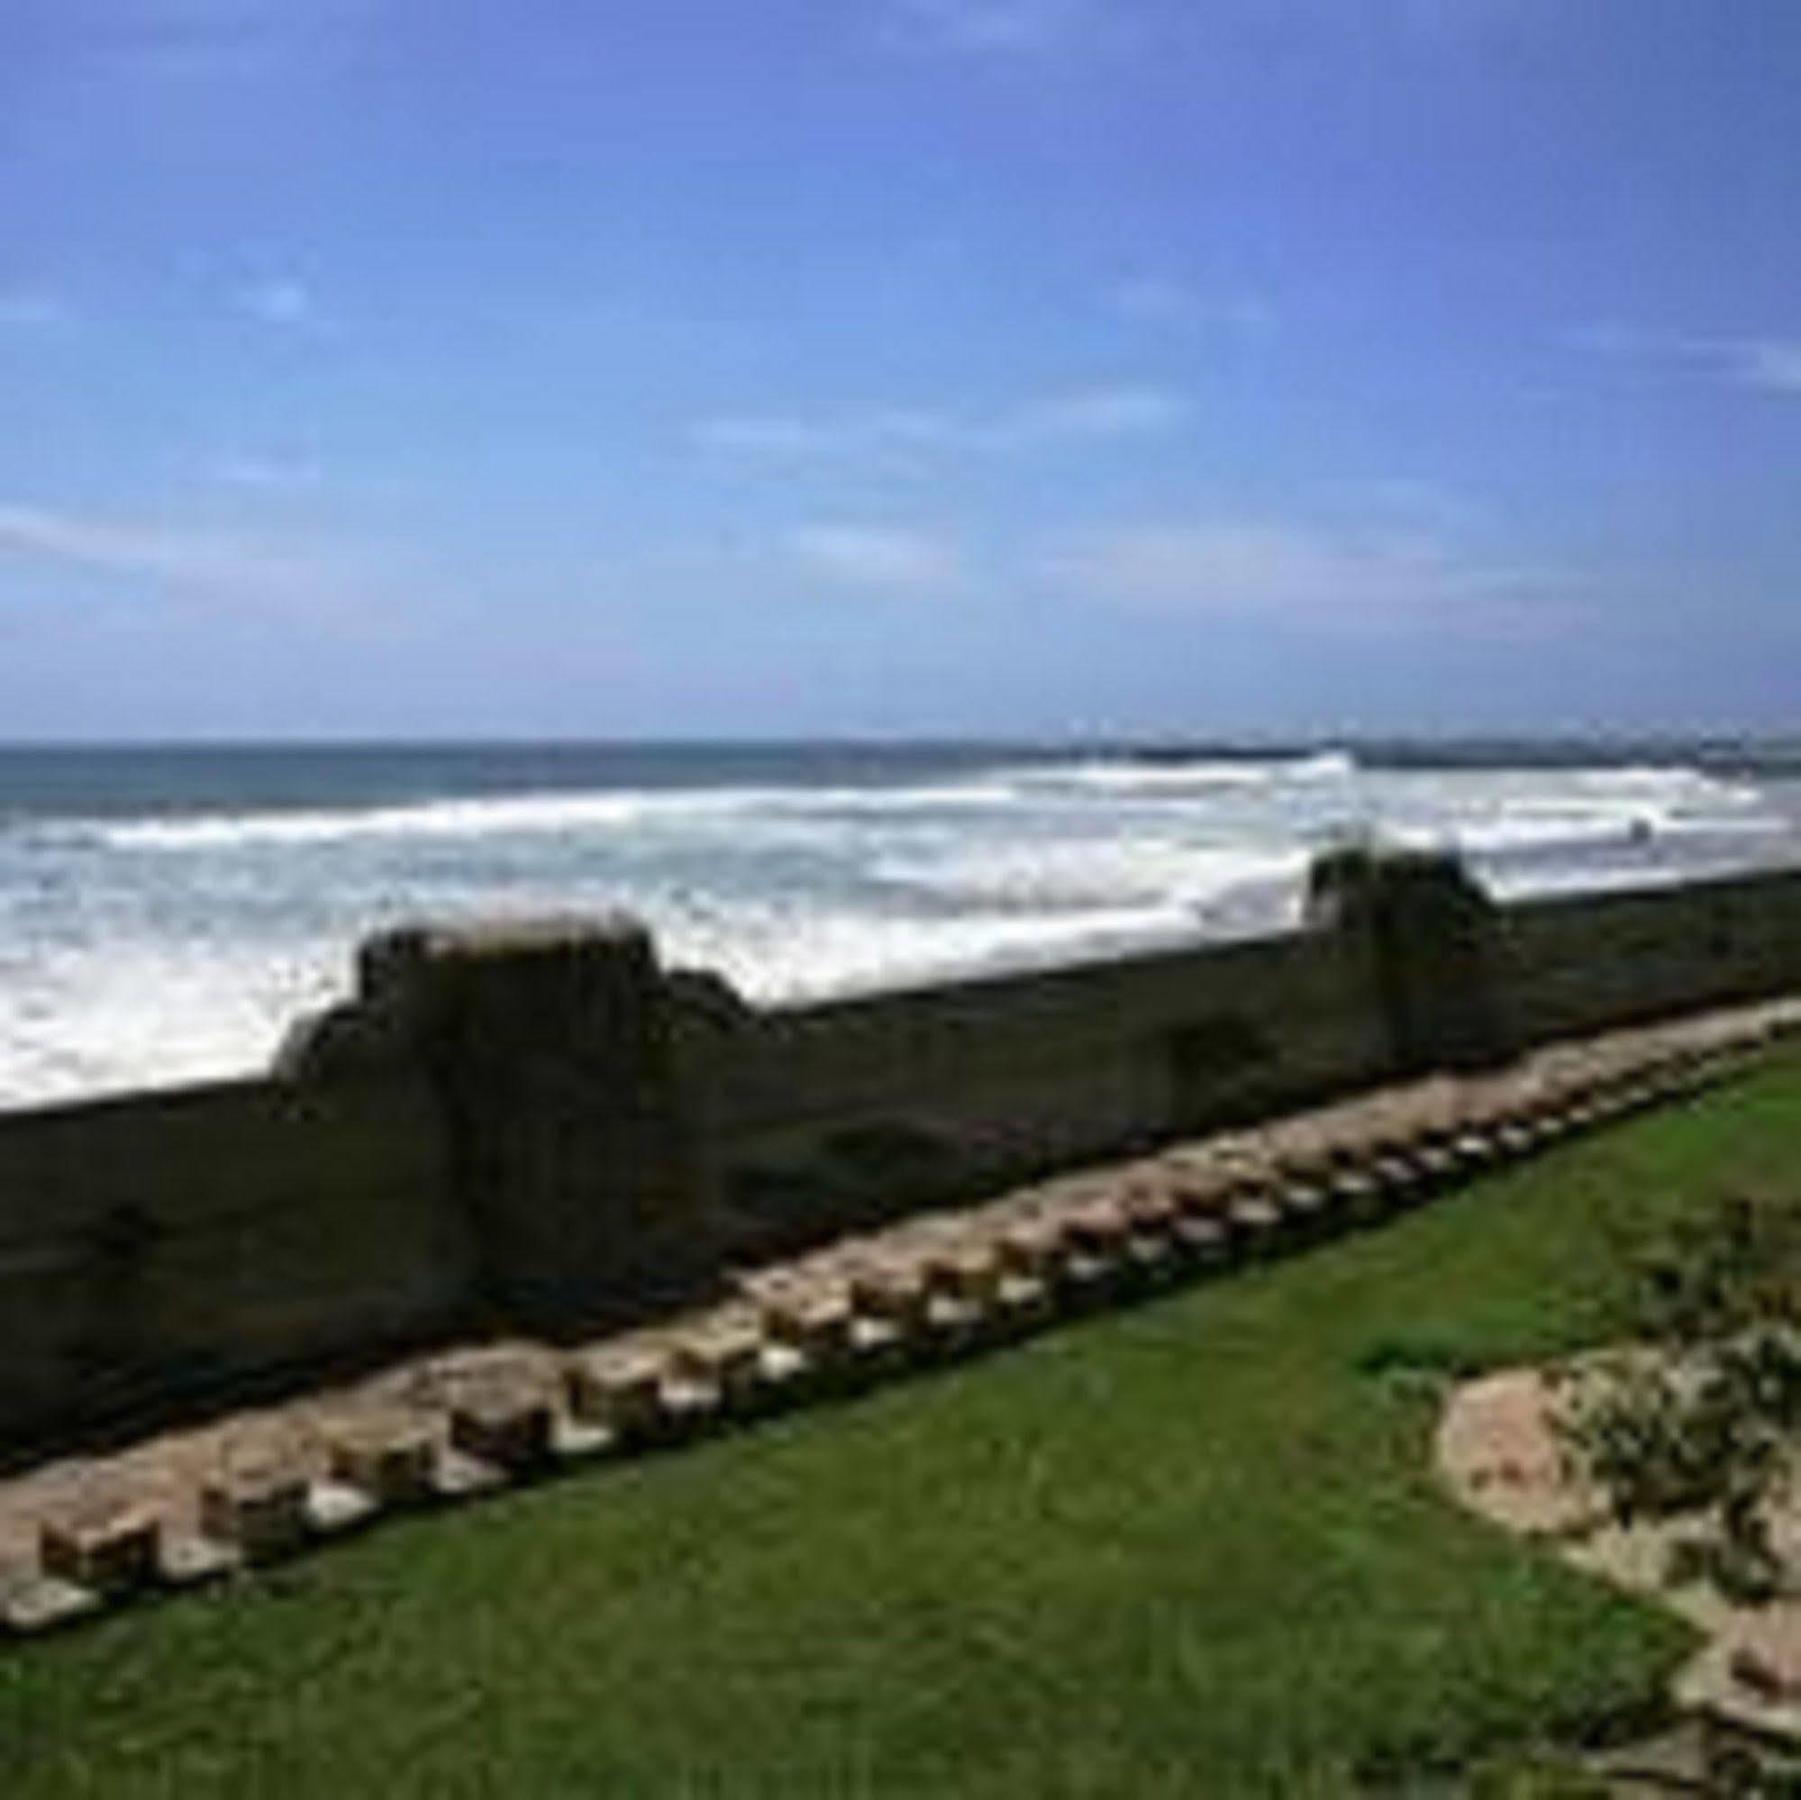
(556, 814)
(177, 946)
(1116, 776)
(1138, 870)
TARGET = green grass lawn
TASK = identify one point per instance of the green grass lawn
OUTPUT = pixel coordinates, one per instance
(1191, 1548)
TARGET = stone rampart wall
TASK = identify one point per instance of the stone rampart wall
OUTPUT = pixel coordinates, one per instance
(847, 1112)
(163, 1244)
(527, 1126)
(1587, 962)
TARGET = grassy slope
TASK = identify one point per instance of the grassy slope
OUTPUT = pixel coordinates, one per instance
(1190, 1548)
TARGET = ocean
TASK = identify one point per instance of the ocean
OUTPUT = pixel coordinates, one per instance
(166, 912)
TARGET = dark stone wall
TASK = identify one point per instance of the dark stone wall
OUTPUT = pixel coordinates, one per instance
(532, 1126)
(169, 1246)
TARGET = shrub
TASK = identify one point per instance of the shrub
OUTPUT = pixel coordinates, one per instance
(1702, 1417)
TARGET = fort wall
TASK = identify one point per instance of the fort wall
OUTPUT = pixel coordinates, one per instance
(525, 1127)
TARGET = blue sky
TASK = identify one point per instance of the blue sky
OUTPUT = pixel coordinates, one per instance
(898, 366)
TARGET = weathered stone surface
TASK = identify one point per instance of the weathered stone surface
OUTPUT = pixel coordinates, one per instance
(812, 1317)
(388, 1459)
(109, 1545)
(726, 1357)
(1255, 1218)
(890, 1289)
(969, 1272)
(259, 1509)
(620, 1390)
(574, 1155)
(1304, 1201)
(1032, 1248)
(506, 1424)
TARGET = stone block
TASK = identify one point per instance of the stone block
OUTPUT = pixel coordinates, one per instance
(1398, 1175)
(786, 1373)
(1094, 1260)
(893, 1290)
(1473, 1150)
(1030, 1248)
(619, 1390)
(1255, 1218)
(1022, 1301)
(813, 1319)
(509, 1425)
(391, 1462)
(1100, 1227)
(1151, 1207)
(692, 1399)
(725, 1356)
(1201, 1239)
(1358, 1193)
(1304, 1201)
(1439, 1163)
(111, 1546)
(967, 1272)
(1150, 1254)
(261, 1510)
(881, 1345)
(953, 1325)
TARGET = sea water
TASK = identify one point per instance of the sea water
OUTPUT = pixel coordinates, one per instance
(165, 913)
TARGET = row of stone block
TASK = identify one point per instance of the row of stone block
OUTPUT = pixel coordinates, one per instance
(934, 1288)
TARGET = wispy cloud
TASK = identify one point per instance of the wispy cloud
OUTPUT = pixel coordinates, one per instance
(1770, 364)
(911, 436)
(986, 27)
(1102, 412)
(280, 301)
(1773, 364)
(265, 473)
(186, 564)
(1298, 572)
(887, 558)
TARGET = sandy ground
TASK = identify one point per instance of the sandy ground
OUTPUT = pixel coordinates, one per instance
(1498, 1453)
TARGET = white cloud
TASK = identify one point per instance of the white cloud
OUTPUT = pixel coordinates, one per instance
(1101, 412)
(906, 436)
(193, 564)
(1774, 365)
(1275, 569)
(760, 437)
(281, 302)
(987, 27)
(1770, 364)
(265, 472)
(889, 558)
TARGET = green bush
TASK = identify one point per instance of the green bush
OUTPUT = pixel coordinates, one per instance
(1702, 1416)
